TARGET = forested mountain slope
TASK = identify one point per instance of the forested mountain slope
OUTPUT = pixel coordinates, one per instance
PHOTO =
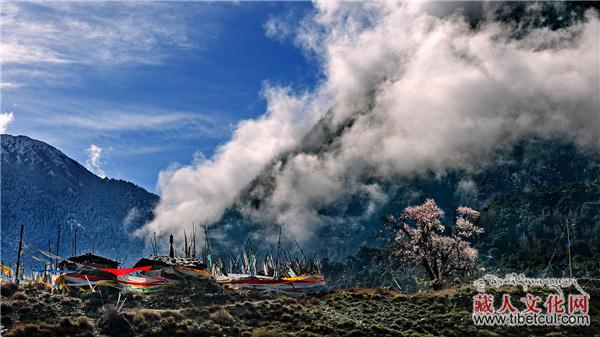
(42, 188)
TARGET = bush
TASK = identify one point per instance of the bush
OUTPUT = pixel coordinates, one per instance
(268, 332)
(79, 328)
(112, 323)
(8, 289)
(6, 320)
(83, 322)
(5, 308)
(222, 317)
(287, 318)
(145, 315)
(172, 313)
(19, 296)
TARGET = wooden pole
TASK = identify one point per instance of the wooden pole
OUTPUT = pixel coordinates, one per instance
(185, 249)
(19, 256)
(206, 239)
(278, 250)
(154, 245)
(194, 242)
(301, 251)
(75, 243)
(49, 251)
(207, 246)
(57, 244)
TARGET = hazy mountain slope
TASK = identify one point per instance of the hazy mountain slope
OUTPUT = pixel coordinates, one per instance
(531, 164)
(42, 188)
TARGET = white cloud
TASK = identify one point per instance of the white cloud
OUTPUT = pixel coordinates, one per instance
(407, 92)
(9, 85)
(5, 119)
(51, 43)
(132, 215)
(121, 120)
(98, 118)
(94, 160)
(278, 28)
(12, 52)
(200, 192)
(426, 94)
(467, 187)
(91, 33)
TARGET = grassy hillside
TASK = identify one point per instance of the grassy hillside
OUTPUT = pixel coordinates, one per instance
(205, 310)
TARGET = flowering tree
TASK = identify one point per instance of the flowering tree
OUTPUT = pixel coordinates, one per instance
(422, 238)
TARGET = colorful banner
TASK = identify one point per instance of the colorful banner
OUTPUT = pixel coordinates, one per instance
(125, 271)
(6, 271)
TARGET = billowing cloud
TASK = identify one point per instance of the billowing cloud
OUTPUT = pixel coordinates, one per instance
(417, 93)
(407, 92)
(199, 193)
(94, 160)
(5, 119)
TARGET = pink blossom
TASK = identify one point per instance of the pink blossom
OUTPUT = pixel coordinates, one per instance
(466, 228)
(421, 238)
(467, 212)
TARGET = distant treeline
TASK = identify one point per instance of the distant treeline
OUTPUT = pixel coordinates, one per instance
(525, 232)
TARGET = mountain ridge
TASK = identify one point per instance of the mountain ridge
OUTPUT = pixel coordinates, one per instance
(42, 187)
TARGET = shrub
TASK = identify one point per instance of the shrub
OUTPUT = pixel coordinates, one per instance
(5, 308)
(8, 289)
(112, 323)
(19, 296)
(355, 333)
(287, 318)
(145, 315)
(314, 301)
(66, 327)
(222, 317)
(172, 313)
(268, 332)
(25, 310)
(83, 322)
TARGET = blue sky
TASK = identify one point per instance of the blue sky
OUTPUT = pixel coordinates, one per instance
(149, 84)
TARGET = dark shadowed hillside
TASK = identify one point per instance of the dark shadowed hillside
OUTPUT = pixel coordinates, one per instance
(527, 232)
(42, 188)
